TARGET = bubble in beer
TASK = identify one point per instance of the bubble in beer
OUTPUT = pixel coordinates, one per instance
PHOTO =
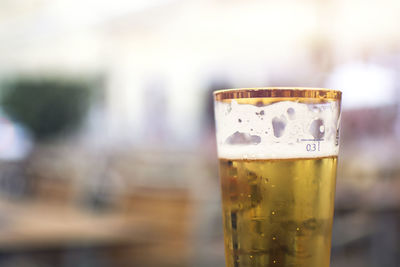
(317, 128)
(310, 224)
(252, 176)
(261, 113)
(229, 109)
(291, 113)
(279, 125)
(315, 109)
(239, 138)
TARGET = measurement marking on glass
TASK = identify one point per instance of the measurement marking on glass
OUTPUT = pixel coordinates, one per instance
(312, 147)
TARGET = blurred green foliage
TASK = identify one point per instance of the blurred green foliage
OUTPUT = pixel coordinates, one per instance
(47, 106)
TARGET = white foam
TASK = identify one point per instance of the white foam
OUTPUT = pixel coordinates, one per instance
(277, 131)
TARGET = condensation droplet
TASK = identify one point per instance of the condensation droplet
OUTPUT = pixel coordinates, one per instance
(248, 195)
(273, 238)
(297, 229)
(273, 213)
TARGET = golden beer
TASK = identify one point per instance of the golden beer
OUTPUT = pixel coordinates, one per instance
(277, 151)
(278, 212)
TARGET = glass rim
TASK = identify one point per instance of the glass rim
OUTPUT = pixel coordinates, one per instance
(278, 92)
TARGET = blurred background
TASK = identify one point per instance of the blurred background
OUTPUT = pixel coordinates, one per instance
(107, 150)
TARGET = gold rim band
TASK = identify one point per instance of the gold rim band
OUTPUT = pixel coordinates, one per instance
(321, 94)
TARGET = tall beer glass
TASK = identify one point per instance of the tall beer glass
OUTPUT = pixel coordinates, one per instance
(277, 151)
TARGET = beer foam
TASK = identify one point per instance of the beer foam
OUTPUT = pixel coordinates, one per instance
(280, 130)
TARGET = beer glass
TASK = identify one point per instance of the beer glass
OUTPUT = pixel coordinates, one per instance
(277, 150)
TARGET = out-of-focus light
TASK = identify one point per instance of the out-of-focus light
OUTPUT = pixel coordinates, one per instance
(89, 12)
(15, 142)
(364, 85)
(58, 17)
